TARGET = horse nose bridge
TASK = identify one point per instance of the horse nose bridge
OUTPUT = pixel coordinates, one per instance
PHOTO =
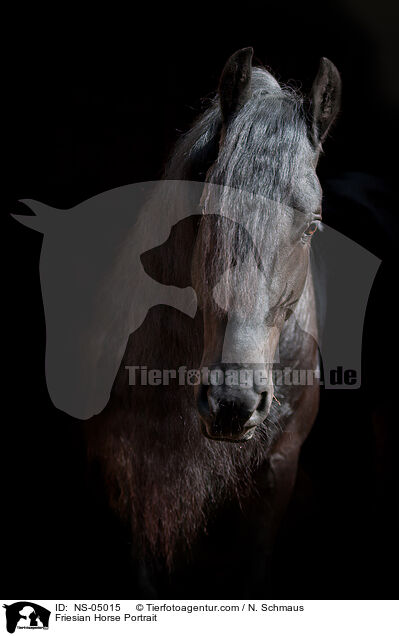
(243, 340)
(234, 340)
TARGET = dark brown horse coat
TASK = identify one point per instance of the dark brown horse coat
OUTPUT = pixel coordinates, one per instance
(195, 505)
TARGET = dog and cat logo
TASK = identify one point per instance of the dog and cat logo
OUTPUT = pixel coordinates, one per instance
(26, 615)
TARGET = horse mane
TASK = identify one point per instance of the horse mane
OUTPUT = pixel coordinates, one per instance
(256, 164)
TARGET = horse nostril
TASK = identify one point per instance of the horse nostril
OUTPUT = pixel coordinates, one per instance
(202, 401)
(232, 415)
(228, 414)
(262, 402)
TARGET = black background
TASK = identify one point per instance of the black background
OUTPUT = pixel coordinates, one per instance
(96, 102)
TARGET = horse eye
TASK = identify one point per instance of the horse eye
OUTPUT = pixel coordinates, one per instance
(311, 229)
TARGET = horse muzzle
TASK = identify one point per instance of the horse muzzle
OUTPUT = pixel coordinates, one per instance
(231, 415)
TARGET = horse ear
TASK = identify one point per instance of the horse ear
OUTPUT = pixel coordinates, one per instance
(325, 100)
(45, 216)
(235, 82)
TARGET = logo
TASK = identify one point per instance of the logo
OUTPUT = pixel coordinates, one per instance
(26, 615)
(102, 269)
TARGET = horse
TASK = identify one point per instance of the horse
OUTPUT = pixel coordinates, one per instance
(200, 473)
